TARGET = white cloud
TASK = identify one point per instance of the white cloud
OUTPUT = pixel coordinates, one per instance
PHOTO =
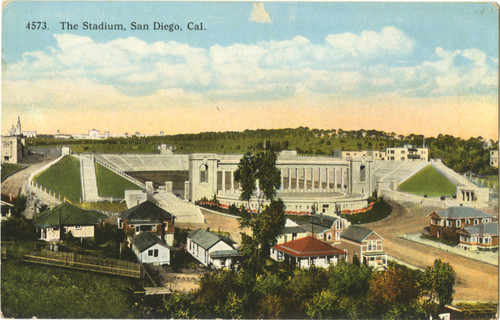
(344, 64)
(259, 13)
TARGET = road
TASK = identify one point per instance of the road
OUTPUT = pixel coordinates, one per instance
(476, 281)
(12, 185)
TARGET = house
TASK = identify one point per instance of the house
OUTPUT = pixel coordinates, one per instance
(148, 217)
(150, 249)
(365, 244)
(483, 236)
(212, 250)
(444, 224)
(306, 252)
(291, 231)
(326, 228)
(66, 218)
(494, 158)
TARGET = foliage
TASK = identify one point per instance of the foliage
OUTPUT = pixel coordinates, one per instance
(109, 184)
(33, 290)
(438, 282)
(268, 222)
(349, 279)
(10, 168)
(394, 286)
(459, 154)
(19, 228)
(381, 210)
(428, 181)
(63, 178)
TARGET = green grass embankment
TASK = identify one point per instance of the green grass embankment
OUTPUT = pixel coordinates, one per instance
(428, 182)
(63, 178)
(109, 184)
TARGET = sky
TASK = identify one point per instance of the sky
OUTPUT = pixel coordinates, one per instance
(425, 68)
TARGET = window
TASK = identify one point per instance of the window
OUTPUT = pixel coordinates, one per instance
(476, 221)
(155, 252)
(203, 173)
(120, 223)
(403, 158)
(459, 223)
(137, 229)
(78, 227)
(467, 221)
(362, 173)
(337, 235)
(329, 236)
(338, 224)
(150, 253)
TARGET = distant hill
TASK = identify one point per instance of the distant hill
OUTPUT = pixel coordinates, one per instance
(459, 154)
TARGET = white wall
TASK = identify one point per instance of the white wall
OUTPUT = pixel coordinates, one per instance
(83, 232)
(163, 255)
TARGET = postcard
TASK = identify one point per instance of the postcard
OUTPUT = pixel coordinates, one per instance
(249, 160)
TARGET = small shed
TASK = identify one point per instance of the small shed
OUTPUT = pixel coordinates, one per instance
(150, 249)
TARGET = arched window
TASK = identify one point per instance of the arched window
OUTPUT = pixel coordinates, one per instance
(203, 173)
(362, 173)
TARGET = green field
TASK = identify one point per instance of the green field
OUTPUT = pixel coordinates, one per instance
(63, 178)
(110, 184)
(428, 182)
(30, 290)
(8, 168)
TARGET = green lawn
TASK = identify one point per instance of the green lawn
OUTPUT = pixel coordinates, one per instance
(104, 206)
(8, 168)
(30, 290)
(380, 210)
(109, 184)
(430, 182)
(63, 178)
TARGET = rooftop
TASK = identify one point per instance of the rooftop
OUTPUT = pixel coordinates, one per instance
(356, 233)
(308, 247)
(483, 228)
(67, 214)
(146, 212)
(462, 212)
(145, 240)
(207, 239)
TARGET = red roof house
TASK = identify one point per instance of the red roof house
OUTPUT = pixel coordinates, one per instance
(307, 251)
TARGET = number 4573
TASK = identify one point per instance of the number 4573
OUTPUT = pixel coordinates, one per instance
(36, 25)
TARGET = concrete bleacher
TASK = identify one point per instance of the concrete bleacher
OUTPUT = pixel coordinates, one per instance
(146, 162)
(397, 171)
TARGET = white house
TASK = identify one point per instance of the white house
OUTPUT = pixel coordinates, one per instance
(150, 249)
(212, 250)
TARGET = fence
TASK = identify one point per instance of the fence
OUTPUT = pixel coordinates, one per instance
(120, 173)
(86, 263)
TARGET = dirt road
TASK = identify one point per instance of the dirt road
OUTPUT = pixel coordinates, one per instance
(476, 281)
(12, 185)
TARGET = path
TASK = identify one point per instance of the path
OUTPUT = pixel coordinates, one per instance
(12, 185)
(476, 281)
(89, 179)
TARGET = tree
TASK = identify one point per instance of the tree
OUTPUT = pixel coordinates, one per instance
(348, 279)
(259, 180)
(396, 285)
(438, 282)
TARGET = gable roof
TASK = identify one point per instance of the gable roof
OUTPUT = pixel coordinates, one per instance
(293, 229)
(314, 228)
(146, 212)
(483, 228)
(207, 239)
(67, 214)
(462, 212)
(356, 233)
(323, 220)
(145, 240)
(308, 247)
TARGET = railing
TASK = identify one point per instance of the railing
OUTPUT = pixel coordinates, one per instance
(120, 173)
(86, 263)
